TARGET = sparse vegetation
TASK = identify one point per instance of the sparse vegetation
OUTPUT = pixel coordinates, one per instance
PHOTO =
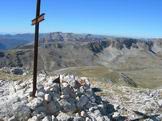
(102, 58)
(12, 77)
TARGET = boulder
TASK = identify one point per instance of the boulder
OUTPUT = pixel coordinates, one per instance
(81, 90)
(116, 115)
(13, 118)
(47, 97)
(40, 94)
(89, 92)
(40, 88)
(68, 106)
(55, 88)
(36, 102)
(97, 113)
(84, 81)
(53, 107)
(100, 118)
(50, 80)
(116, 106)
(64, 117)
(54, 118)
(17, 71)
(21, 112)
(160, 117)
(41, 115)
(87, 119)
(83, 114)
(47, 118)
(34, 118)
(78, 119)
(160, 102)
(82, 101)
(2, 54)
(106, 118)
(40, 109)
(67, 90)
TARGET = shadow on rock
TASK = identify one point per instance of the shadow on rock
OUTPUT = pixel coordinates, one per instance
(108, 110)
(145, 116)
(96, 90)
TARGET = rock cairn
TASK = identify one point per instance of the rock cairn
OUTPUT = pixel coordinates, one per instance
(72, 99)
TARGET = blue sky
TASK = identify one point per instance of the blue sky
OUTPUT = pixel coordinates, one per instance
(133, 18)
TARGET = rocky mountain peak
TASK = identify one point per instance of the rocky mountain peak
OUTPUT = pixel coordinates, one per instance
(76, 98)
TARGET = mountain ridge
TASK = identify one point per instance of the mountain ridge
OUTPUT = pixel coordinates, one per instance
(10, 41)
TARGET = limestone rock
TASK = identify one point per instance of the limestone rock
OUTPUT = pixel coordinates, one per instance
(160, 102)
(106, 118)
(53, 107)
(63, 117)
(82, 101)
(34, 118)
(47, 118)
(54, 118)
(34, 103)
(83, 114)
(116, 115)
(78, 119)
(40, 94)
(47, 97)
(22, 112)
(68, 106)
(87, 119)
(100, 118)
(67, 90)
(17, 71)
(13, 118)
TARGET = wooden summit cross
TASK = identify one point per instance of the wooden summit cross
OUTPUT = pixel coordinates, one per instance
(39, 18)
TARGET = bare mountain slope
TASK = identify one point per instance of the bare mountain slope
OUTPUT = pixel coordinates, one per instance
(134, 61)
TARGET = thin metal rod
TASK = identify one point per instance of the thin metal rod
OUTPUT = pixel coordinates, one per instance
(36, 49)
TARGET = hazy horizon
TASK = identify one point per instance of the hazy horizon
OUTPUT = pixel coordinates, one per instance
(109, 35)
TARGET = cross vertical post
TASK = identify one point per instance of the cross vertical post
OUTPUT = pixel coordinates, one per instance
(35, 22)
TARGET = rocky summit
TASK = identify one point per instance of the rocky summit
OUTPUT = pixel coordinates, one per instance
(72, 98)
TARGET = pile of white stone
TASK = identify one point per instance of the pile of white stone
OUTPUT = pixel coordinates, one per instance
(70, 100)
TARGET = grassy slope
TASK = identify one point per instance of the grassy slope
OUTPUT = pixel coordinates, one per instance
(7, 76)
(142, 66)
(97, 73)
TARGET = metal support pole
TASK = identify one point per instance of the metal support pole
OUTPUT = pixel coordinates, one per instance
(36, 48)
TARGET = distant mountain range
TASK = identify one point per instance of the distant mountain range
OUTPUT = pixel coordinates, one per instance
(8, 41)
